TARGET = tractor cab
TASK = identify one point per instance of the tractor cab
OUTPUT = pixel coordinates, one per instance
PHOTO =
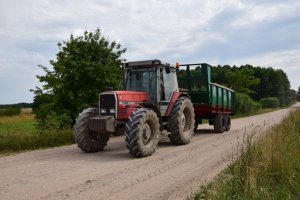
(155, 77)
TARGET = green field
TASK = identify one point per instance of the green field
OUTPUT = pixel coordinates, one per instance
(19, 133)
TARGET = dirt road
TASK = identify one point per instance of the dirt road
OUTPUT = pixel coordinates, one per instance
(173, 172)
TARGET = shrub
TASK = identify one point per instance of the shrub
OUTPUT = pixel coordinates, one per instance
(15, 110)
(269, 102)
(245, 105)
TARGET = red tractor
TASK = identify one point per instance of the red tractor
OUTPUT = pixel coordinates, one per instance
(150, 104)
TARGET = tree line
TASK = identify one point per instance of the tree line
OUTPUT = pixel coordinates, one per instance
(257, 82)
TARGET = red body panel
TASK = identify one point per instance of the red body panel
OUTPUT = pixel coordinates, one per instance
(128, 102)
(132, 96)
(201, 109)
(175, 96)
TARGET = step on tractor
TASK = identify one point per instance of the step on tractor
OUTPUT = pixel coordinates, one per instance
(152, 104)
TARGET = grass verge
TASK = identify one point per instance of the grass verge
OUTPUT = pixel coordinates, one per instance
(268, 168)
(259, 112)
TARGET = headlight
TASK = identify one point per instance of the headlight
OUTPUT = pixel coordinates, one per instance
(125, 103)
(112, 111)
(102, 110)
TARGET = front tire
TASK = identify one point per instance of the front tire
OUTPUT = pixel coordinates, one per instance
(142, 132)
(87, 140)
(181, 122)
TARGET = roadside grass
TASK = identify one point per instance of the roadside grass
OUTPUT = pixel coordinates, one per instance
(258, 112)
(19, 133)
(268, 168)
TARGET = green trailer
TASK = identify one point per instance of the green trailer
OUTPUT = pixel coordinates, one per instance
(210, 100)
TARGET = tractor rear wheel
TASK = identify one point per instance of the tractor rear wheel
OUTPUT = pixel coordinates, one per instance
(181, 122)
(142, 132)
(219, 123)
(87, 140)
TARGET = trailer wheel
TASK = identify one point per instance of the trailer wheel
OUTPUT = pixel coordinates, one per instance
(211, 121)
(87, 140)
(181, 122)
(219, 123)
(227, 122)
(142, 132)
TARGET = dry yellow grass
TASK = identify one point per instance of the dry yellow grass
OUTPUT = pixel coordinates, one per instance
(26, 115)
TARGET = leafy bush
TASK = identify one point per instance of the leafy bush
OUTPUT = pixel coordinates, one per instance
(245, 105)
(15, 110)
(85, 65)
(269, 102)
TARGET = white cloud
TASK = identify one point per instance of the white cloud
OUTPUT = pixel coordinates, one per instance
(257, 13)
(288, 61)
(217, 32)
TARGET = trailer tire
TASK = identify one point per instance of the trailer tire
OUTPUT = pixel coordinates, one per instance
(181, 122)
(142, 132)
(219, 123)
(227, 123)
(87, 140)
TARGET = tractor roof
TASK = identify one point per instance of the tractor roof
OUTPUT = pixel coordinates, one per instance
(147, 63)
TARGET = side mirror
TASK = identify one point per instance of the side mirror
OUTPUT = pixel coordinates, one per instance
(168, 69)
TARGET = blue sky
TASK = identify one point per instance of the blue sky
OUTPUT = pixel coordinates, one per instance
(262, 33)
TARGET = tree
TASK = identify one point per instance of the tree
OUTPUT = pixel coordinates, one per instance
(241, 79)
(85, 65)
(298, 94)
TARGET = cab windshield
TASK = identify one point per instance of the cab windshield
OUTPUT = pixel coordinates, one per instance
(144, 81)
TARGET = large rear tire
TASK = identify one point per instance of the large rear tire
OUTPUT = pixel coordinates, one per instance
(142, 132)
(181, 122)
(219, 123)
(87, 140)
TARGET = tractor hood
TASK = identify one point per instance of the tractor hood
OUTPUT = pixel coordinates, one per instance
(132, 96)
(121, 103)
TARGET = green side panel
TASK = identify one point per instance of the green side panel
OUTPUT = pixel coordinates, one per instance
(225, 98)
(220, 96)
(199, 97)
(214, 101)
(206, 72)
(229, 99)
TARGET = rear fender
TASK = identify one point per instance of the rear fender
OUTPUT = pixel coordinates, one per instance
(175, 96)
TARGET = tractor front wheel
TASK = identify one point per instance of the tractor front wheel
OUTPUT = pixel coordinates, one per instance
(142, 132)
(181, 122)
(87, 140)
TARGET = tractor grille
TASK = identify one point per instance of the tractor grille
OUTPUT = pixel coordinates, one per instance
(107, 103)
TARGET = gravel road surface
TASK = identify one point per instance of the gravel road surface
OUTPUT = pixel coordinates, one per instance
(172, 172)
